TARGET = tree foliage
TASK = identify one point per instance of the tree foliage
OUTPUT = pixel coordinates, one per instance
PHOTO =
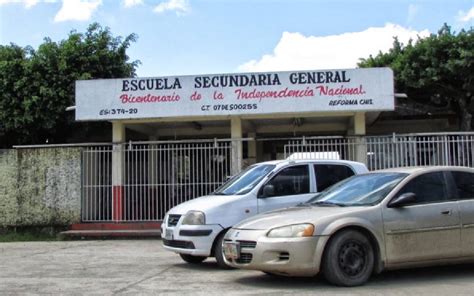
(38, 85)
(437, 70)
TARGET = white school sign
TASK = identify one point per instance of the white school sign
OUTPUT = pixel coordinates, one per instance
(367, 89)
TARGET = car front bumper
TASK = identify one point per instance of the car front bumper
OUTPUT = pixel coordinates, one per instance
(300, 256)
(196, 240)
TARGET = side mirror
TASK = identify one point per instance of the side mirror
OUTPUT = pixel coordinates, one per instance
(268, 190)
(402, 200)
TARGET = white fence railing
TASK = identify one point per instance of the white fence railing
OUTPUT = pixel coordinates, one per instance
(156, 176)
(381, 152)
(96, 203)
(420, 150)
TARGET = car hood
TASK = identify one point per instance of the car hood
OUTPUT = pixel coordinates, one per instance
(203, 203)
(295, 215)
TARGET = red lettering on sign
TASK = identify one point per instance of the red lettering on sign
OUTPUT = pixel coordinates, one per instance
(149, 98)
(273, 94)
(340, 91)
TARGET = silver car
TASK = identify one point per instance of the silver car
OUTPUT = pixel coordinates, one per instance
(390, 219)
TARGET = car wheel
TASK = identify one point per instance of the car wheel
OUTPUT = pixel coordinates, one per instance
(348, 259)
(192, 259)
(218, 253)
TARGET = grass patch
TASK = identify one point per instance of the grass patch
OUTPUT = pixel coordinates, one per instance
(28, 235)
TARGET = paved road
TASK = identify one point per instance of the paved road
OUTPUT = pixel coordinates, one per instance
(143, 267)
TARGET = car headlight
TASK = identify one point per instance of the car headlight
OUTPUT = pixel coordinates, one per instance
(194, 218)
(297, 230)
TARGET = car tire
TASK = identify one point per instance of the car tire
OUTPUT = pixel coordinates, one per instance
(274, 274)
(192, 259)
(218, 253)
(348, 259)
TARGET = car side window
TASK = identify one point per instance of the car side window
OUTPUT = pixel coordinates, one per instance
(291, 181)
(464, 183)
(429, 188)
(329, 174)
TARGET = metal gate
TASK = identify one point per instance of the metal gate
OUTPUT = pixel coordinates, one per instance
(380, 152)
(451, 149)
(156, 177)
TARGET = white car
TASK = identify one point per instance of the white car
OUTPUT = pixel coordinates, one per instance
(195, 229)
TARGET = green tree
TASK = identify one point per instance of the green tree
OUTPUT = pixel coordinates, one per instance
(436, 70)
(38, 85)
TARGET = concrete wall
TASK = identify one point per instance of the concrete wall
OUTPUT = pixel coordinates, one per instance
(40, 187)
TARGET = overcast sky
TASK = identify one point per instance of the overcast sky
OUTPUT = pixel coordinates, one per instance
(181, 37)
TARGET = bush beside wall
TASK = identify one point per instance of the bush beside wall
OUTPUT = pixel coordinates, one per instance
(8, 187)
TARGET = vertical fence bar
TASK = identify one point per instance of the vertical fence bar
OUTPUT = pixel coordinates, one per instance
(99, 188)
(109, 183)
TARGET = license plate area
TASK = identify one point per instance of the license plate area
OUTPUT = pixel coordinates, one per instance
(231, 250)
(169, 234)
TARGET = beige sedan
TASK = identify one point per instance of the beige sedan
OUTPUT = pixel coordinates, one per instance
(389, 219)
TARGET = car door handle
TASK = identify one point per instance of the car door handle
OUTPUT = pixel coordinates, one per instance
(446, 212)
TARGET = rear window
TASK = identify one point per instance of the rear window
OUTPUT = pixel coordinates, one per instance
(464, 182)
(329, 174)
(429, 188)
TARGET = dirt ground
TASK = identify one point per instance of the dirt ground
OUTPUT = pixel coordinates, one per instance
(143, 267)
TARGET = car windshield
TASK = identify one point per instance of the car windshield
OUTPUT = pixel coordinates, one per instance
(245, 181)
(359, 190)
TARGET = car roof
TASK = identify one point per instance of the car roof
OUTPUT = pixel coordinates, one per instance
(417, 169)
(296, 161)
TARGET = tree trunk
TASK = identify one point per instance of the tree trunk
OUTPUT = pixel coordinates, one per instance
(465, 116)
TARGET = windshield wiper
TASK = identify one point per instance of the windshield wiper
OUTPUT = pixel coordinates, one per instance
(327, 203)
(303, 204)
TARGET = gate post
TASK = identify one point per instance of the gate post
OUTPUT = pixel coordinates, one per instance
(359, 131)
(236, 135)
(252, 149)
(118, 137)
(361, 150)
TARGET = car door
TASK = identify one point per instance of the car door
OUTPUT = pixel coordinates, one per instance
(291, 186)
(427, 229)
(464, 185)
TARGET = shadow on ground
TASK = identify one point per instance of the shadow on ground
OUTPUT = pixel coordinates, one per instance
(397, 278)
(208, 265)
